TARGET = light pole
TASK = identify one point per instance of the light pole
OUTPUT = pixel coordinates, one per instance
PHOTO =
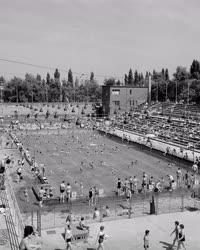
(1, 87)
(32, 95)
(166, 92)
(60, 91)
(157, 93)
(47, 93)
(75, 87)
(17, 94)
(176, 89)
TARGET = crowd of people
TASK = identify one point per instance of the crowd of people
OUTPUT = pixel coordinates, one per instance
(31, 239)
(124, 187)
(131, 185)
(127, 187)
(182, 132)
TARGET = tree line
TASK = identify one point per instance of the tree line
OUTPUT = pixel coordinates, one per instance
(163, 88)
(51, 89)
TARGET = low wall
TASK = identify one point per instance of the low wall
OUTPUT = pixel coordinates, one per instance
(154, 143)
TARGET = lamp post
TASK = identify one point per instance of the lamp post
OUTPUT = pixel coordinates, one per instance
(176, 89)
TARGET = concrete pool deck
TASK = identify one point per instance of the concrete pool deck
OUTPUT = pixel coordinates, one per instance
(128, 234)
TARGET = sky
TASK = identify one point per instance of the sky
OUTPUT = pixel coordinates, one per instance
(107, 37)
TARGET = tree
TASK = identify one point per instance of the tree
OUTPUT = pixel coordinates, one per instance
(76, 83)
(181, 74)
(48, 77)
(91, 77)
(57, 75)
(166, 75)
(70, 77)
(110, 82)
(125, 79)
(130, 77)
(195, 70)
(163, 73)
(54, 91)
(118, 83)
(12, 89)
(2, 80)
(154, 75)
(38, 78)
(136, 78)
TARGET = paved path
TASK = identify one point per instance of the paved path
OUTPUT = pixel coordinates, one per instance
(128, 234)
(4, 236)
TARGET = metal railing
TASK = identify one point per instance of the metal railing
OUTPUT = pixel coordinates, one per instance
(117, 208)
(15, 214)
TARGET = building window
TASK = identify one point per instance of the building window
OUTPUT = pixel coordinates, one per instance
(116, 103)
(115, 91)
(130, 103)
(130, 91)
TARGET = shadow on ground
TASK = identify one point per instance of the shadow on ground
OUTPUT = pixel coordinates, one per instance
(166, 245)
(191, 209)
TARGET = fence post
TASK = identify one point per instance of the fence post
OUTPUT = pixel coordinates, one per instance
(54, 217)
(32, 215)
(39, 222)
(182, 202)
(101, 212)
(130, 208)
